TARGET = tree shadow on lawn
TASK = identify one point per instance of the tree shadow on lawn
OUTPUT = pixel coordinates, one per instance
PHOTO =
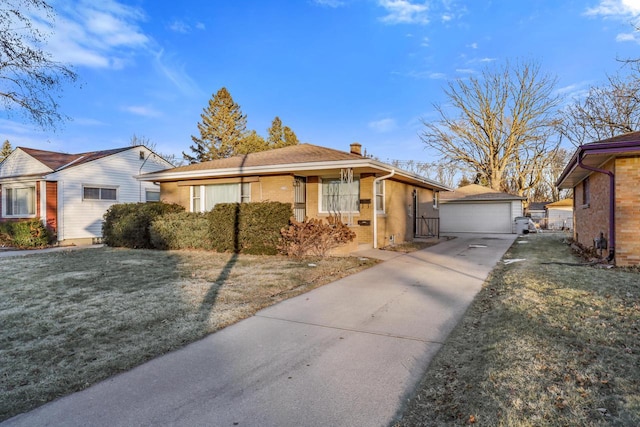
(71, 319)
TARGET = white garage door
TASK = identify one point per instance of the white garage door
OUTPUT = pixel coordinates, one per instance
(475, 218)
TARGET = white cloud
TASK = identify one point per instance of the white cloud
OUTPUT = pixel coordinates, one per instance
(621, 8)
(423, 75)
(405, 12)
(473, 45)
(626, 37)
(141, 110)
(200, 26)
(329, 3)
(465, 70)
(95, 34)
(175, 73)
(425, 42)
(383, 125)
(180, 27)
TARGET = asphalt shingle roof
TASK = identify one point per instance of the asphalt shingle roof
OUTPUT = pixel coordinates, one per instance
(56, 160)
(302, 153)
(477, 192)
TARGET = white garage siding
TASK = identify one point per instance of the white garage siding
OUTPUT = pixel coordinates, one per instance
(479, 217)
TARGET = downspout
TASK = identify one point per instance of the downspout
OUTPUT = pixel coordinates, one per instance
(140, 182)
(375, 210)
(612, 199)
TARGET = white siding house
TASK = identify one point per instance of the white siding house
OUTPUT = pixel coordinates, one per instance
(560, 215)
(71, 192)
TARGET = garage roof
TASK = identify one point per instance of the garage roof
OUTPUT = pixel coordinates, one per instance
(477, 193)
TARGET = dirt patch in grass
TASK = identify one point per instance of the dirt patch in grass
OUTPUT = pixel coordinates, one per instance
(70, 319)
(413, 246)
(542, 344)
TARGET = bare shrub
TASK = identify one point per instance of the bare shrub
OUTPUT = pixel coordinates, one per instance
(314, 237)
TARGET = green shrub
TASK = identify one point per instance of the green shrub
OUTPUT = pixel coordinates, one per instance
(128, 224)
(252, 228)
(180, 230)
(31, 233)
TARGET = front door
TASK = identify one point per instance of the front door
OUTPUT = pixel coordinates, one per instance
(300, 198)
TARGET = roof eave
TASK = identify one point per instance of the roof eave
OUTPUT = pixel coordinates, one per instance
(290, 167)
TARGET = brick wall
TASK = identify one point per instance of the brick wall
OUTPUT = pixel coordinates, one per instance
(277, 188)
(170, 192)
(628, 211)
(593, 217)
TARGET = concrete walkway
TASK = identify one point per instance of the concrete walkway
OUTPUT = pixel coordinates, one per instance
(4, 253)
(346, 354)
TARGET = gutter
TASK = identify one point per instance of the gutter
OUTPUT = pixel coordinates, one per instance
(375, 210)
(612, 198)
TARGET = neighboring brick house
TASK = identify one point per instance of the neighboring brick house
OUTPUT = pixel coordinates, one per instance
(71, 192)
(605, 178)
(318, 182)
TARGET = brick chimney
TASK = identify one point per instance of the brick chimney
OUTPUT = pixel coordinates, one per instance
(356, 148)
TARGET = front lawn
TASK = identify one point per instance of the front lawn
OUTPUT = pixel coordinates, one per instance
(546, 342)
(72, 318)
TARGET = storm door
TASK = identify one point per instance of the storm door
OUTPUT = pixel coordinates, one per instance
(300, 198)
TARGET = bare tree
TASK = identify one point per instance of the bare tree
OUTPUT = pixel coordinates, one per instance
(605, 112)
(442, 172)
(502, 128)
(29, 77)
(146, 141)
(546, 189)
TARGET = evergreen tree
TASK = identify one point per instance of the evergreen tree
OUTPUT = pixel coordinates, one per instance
(280, 136)
(252, 143)
(5, 150)
(222, 129)
(290, 137)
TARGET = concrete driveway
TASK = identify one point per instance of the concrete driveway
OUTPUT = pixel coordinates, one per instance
(346, 354)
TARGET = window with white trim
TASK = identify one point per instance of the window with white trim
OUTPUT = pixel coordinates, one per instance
(205, 197)
(19, 201)
(339, 197)
(380, 196)
(152, 195)
(436, 196)
(99, 193)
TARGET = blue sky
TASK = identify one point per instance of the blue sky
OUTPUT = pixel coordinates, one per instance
(335, 71)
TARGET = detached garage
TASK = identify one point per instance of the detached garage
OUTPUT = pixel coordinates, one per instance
(477, 209)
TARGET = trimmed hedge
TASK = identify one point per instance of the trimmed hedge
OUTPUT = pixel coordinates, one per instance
(127, 224)
(252, 228)
(31, 233)
(180, 230)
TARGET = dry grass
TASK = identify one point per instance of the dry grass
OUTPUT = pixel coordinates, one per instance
(542, 344)
(412, 246)
(70, 319)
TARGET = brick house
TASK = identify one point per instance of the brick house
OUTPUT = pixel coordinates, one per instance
(382, 204)
(605, 178)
